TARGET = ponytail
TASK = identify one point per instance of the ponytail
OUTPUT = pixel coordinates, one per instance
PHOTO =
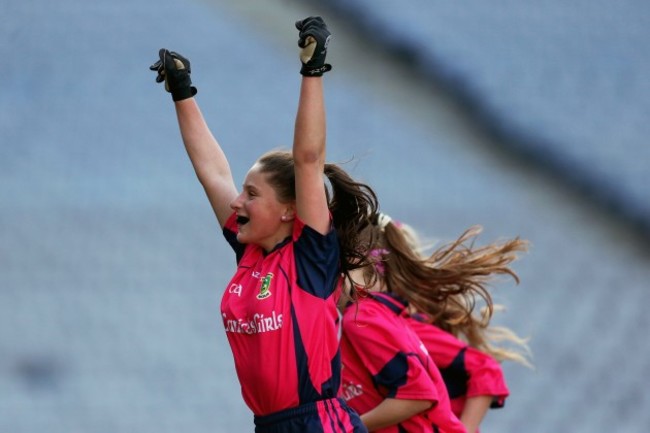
(353, 206)
(449, 284)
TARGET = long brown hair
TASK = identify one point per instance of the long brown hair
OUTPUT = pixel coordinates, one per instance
(353, 204)
(451, 285)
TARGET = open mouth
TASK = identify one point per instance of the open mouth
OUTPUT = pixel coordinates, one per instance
(241, 220)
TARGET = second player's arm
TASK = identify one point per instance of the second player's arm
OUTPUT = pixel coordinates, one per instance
(474, 411)
(392, 411)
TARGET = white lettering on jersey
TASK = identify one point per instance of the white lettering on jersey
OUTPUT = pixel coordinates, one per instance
(258, 324)
(235, 288)
(351, 390)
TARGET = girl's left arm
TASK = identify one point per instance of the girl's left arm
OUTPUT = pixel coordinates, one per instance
(309, 133)
(309, 156)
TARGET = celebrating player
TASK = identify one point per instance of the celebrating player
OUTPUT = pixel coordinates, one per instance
(292, 242)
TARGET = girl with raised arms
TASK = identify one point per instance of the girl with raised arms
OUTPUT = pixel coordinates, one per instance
(292, 242)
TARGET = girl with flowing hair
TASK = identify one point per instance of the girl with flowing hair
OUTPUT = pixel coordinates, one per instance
(449, 306)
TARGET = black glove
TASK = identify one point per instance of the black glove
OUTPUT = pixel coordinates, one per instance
(313, 40)
(174, 70)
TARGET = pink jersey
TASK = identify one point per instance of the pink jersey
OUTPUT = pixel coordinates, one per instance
(281, 319)
(383, 358)
(467, 372)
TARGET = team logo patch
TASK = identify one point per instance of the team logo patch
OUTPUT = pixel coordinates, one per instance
(265, 290)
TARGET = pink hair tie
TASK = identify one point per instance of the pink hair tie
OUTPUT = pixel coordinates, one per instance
(379, 253)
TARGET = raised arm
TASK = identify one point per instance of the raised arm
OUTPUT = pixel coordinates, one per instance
(207, 157)
(310, 127)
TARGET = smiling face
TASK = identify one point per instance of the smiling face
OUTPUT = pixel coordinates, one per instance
(261, 218)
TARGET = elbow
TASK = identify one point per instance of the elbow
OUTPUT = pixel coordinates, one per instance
(308, 157)
(427, 404)
(204, 175)
(210, 179)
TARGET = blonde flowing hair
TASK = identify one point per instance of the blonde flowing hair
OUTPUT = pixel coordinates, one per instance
(450, 285)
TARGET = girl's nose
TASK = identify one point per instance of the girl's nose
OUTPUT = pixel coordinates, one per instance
(235, 203)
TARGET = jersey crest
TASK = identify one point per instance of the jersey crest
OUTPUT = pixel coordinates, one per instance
(265, 290)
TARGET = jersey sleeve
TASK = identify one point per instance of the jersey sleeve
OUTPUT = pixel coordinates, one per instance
(317, 260)
(467, 371)
(383, 345)
(485, 377)
(230, 233)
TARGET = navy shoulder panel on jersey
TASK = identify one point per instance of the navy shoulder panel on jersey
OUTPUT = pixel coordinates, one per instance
(317, 262)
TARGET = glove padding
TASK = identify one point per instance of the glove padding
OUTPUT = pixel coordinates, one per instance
(313, 40)
(175, 71)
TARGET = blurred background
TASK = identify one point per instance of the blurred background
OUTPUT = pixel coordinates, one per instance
(528, 119)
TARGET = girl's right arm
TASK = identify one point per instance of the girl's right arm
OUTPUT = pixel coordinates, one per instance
(208, 159)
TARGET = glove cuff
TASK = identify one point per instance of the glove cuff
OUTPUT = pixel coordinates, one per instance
(311, 71)
(183, 93)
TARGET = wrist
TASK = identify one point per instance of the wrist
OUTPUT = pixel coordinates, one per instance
(311, 71)
(184, 93)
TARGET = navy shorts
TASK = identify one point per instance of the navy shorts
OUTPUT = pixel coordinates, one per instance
(323, 416)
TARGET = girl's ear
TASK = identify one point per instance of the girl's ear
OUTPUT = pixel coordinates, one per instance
(289, 213)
